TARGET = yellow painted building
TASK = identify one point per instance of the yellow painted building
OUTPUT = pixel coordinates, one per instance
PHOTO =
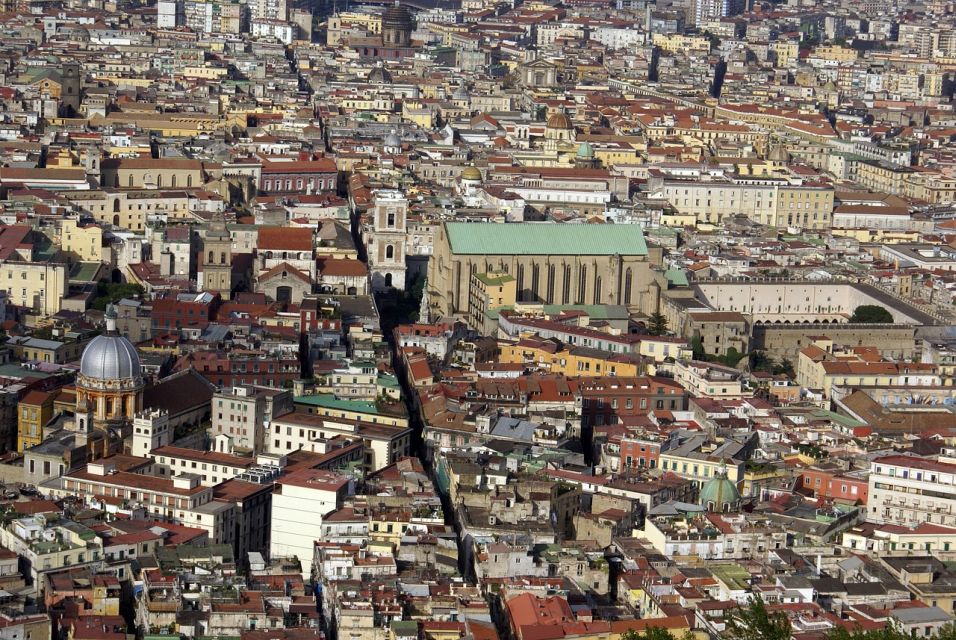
(368, 103)
(835, 53)
(664, 348)
(576, 362)
(492, 290)
(130, 209)
(880, 236)
(700, 467)
(40, 286)
(388, 526)
(33, 411)
(173, 124)
(417, 113)
(929, 186)
(786, 53)
(676, 42)
(85, 242)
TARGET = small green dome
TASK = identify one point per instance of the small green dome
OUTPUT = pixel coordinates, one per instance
(585, 150)
(720, 494)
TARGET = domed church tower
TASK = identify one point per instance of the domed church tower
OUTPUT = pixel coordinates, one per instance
(109, 387)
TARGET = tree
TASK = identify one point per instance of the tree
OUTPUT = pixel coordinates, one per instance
(785, 367)
(654, 633)
(732, 358)
(657, 324)
(871, 313)
(697, 346)
(112, 292)
(889, 632)
(754, 622)
(760, 361)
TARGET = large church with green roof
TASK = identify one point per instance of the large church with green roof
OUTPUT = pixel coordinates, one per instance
(552, 263)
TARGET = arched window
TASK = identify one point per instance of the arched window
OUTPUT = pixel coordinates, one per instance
(520, 283)
(189, 180)
(222, 258)
(535, 274)
(172, 181)
(116, 205)
(628, 282)
(566, 285)
(582, 284)
(597, 290)
(159, 182)
(550, 299)
(211, 258)
(389, 252)
(116, 220)
(129, 180)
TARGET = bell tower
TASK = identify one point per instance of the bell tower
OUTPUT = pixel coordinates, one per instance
(217, 259)
(70, 88)
(386, 241)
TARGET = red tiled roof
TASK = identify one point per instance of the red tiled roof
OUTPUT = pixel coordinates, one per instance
(285, 238)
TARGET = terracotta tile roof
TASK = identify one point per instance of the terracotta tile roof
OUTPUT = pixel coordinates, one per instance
(342, 267)
(285, 238)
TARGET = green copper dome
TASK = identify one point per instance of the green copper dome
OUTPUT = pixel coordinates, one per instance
(720, 494)
(585, 150)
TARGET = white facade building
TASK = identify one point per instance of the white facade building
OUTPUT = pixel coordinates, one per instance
(298, 506)
(909, 491)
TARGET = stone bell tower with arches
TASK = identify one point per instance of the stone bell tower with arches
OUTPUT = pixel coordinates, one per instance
(386, 240)
(217, 259)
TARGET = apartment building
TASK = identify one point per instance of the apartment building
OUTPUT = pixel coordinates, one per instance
(43, 545)
(181, 499)
(711, 195)
(300, 502)
(693, 460)
(706, 379)
(608, 400)
(910, 491)
(212, 467)
(303, 431)
(240, 411)
(38, 286)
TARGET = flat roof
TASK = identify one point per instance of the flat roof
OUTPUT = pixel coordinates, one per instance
(329, 401)
(533, 239)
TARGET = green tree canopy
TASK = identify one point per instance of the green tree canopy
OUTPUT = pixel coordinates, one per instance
(889, 632)
(755, 622)
(657, 324)
(871, 313)
(654, 633)
(111, 292)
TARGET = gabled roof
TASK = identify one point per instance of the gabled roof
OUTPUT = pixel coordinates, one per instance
(284, 268)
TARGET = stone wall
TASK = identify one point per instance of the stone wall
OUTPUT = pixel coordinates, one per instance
(786, 340)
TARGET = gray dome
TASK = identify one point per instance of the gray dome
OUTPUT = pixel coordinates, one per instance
(392, 140)
(110, 357)
(380, 75)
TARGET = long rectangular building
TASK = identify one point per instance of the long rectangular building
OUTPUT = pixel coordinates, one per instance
(908, 491)
(551, 263)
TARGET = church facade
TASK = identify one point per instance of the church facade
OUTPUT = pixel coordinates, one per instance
(563, 264)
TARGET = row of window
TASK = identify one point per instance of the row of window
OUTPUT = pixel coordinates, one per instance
(299, 184)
